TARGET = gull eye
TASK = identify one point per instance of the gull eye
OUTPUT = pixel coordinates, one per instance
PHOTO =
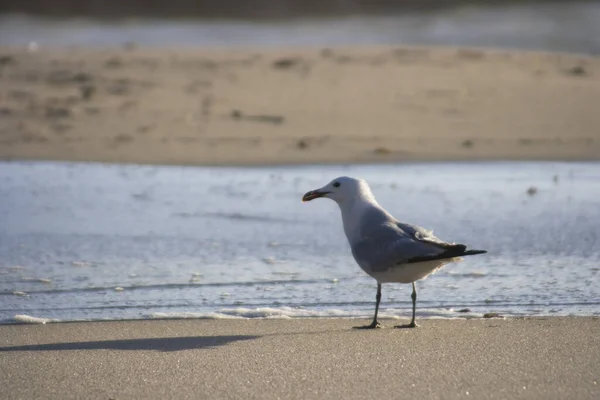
(336, 184)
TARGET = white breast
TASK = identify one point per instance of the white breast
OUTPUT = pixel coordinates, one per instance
(407, 273)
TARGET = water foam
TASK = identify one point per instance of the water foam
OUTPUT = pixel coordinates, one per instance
(295, 313)
(28, 319)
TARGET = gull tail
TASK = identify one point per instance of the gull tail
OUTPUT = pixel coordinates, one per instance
(459, 250)
(473, 252)
(452, 251)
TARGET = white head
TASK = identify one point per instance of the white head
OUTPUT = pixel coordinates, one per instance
(342, 190)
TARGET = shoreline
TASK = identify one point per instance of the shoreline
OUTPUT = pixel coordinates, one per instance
(531, 358)
(29, 320)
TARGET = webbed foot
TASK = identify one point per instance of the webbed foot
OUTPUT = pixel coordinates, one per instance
(373, 325)
(411, 325)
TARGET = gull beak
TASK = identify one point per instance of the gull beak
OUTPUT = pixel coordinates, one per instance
(314, 194)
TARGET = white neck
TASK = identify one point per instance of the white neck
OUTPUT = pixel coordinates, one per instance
(352, 213)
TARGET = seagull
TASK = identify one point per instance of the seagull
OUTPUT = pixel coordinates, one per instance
(386, 249)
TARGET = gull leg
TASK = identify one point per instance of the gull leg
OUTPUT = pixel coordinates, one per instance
(413, 296)
(374, 324)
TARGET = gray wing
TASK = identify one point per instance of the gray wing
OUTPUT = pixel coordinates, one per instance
(422, 235)
(392, 243)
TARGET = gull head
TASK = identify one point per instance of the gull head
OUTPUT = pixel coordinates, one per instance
(341, 190)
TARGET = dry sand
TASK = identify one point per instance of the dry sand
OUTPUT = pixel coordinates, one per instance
(244, 107)
(552, 358)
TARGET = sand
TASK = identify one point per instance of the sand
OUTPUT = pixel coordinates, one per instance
(255, 107)
(537, 358)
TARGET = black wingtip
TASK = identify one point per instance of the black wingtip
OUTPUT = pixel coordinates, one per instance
(474, 252)
(454, 251)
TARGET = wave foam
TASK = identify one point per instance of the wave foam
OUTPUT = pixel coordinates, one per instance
(292, 313)
(28, 319)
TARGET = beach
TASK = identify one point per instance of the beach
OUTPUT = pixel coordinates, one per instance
(373, 104)
(257, 284)
(516, 358)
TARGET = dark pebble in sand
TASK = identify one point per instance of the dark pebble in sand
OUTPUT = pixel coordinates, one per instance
(273, 119)
(5, 111)
(7, 60)
(577, 70)
(87, 91)
(302, 144)
(123, 138)
(114, 62)
(467, 144)
(382, 151)
(470, 54)
(532, 191)
(492, 315)
(62, 77)
(286, 62)
(144, 129)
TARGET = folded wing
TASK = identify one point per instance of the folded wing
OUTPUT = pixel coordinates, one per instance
(394, 243)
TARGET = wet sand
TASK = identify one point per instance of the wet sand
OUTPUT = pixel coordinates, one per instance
(538, 358)
(250, 107)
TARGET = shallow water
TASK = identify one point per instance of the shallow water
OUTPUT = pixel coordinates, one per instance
(557, 26)
(97, 241)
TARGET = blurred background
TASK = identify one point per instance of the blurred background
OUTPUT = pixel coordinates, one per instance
(558, 25)
(239, 9)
